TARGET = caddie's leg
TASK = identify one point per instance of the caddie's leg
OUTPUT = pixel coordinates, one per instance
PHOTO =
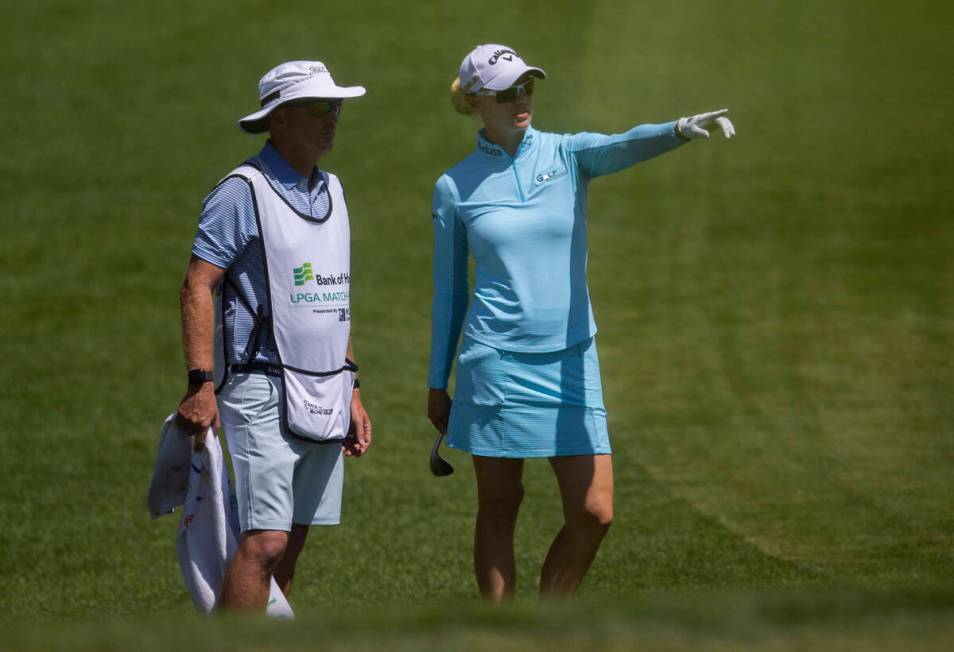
(249, 574)
(586, 487)
(285, 571)
(499, 494)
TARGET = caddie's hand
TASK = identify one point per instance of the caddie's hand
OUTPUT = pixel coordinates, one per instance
(698, 126)
(438, 408)
(358, 440)
(198, 412)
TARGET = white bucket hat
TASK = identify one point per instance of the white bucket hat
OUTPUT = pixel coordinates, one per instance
(294, 80)
(494, 67)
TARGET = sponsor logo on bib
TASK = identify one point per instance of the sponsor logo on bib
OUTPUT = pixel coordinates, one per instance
(303, 274)
(314, 408)
(327, 294)
(320, 297)
(306, 273)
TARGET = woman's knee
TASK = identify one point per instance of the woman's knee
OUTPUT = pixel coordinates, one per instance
(600, 513)
(499, 486)
(586, 484)
(501, 501)
(592, 522)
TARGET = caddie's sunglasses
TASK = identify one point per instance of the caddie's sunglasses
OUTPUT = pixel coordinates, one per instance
(318, 108)
(510, 94)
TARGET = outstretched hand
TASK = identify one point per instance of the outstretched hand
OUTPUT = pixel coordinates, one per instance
(698, 126)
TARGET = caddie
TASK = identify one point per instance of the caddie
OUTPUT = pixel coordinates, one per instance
(266, 324)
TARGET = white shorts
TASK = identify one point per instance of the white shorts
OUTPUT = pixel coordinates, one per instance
(279, 480)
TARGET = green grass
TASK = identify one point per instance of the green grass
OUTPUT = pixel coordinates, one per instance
(790, 620)
(776, 313)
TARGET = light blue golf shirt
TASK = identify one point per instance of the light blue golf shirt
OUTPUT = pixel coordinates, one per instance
(228, 238)
(524, 221)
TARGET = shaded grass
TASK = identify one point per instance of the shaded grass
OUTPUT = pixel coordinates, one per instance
(784, 620)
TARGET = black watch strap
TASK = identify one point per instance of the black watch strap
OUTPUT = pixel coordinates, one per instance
(199, 376)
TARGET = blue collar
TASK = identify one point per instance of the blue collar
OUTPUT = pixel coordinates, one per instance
(282, 171)
(490, 149)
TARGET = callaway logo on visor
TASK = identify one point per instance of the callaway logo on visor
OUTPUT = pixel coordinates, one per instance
(506, 55)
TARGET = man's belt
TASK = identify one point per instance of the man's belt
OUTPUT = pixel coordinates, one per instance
(267, 368)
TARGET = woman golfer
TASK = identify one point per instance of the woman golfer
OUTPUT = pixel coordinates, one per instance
(528, 377)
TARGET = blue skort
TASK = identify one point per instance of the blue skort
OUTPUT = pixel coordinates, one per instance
(519, 405)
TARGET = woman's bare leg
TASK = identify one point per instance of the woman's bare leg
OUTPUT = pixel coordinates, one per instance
(586, 487)
(499, 493)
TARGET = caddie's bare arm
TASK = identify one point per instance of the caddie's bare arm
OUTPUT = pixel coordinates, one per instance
(358, 440)
(198, 409)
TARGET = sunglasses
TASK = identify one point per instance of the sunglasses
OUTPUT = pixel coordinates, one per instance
(317, 108)
(510, 94)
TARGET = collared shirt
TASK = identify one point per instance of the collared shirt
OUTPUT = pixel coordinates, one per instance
(524, 220)
(228, 237)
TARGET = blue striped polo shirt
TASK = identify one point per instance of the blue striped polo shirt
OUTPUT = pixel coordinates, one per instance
(228, 237)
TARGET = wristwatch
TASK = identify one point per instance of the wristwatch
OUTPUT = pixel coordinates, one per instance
(199, 376)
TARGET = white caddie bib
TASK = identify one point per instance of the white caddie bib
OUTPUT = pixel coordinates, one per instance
(308, 265)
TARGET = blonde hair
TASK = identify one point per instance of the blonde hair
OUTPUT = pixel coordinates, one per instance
(459, 98)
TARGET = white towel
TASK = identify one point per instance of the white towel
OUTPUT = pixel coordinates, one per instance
(208, 530)
(170, 478)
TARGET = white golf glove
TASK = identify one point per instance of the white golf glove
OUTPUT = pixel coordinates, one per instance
(697, 125)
